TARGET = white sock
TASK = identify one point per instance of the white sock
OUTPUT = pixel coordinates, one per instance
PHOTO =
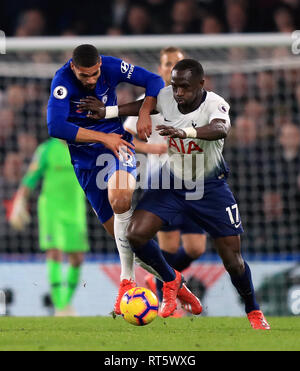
(121, 222)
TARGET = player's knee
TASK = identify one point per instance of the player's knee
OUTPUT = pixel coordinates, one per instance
(194, 245)
(120, 205)
(55, 255)
(194, 250)
(76, 260)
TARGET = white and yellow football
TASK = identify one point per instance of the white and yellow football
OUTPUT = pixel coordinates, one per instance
(139, 306)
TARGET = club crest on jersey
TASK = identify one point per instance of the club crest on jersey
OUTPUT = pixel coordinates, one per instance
(60, 92)
(223, 108)
(104, 99)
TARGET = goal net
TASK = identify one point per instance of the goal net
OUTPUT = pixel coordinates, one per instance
(257, 74)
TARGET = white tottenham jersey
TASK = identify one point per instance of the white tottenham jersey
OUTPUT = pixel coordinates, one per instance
(211, 162)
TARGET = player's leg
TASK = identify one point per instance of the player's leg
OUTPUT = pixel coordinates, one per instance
(194, 245)
(50, 242)
(229, 249)
(178, 255)
(142, 228)
(169, 242)
(121, 186)
(183, 246)
(97, 192)
(151, 213)
(74, 245)
(72, 279)
(54, 261)
(218, 213)
(109, 226)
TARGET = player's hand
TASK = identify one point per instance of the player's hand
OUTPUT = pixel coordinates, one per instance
(19, 217)
(144, 126)
(96, 108)
(118, 145)
(171, 132)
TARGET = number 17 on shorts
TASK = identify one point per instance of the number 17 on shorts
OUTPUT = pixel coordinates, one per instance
(234, 215)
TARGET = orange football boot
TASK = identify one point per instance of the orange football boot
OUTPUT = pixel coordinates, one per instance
(170, 291)
(125, 285)
(257, 320)
(189, 301)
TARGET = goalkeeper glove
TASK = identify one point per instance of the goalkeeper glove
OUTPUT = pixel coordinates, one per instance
(19, 217)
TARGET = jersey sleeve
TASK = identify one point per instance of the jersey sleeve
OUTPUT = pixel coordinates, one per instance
(130, 124)
(36, 168)
(122, 71)
(219, 109)
(159, 103)
(58, 111)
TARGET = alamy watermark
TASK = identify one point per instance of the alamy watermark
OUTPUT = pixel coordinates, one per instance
(2, 42)
(179, 172)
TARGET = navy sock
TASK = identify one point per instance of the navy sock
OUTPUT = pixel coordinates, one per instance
(151, 254)
(245, 288)
(181, 260)
(169, 257)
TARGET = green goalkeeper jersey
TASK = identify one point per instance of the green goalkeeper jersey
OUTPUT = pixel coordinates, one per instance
(61, 195)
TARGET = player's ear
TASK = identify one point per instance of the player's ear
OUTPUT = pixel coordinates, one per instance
(72, 66)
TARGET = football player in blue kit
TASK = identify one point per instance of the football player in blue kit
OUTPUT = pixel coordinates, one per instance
(97, 145)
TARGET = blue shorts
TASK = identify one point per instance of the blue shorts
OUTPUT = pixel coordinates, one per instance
(216, 212)
(94, 181)
(188, 226)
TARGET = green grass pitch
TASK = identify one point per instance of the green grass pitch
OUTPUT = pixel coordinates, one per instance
(172, 334)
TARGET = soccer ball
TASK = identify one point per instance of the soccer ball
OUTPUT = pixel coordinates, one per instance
(139, 306)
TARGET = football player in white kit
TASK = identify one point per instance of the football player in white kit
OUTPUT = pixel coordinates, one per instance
(191, 235)
(196, 122)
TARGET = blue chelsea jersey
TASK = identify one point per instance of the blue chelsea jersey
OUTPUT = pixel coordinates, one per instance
(64, 118)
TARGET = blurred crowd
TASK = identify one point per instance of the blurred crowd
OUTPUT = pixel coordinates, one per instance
(262, 149)
(145, 17)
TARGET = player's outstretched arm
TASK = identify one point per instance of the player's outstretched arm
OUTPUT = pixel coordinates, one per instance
(112, 141)
(99, 111)
(144, 123)
(217, 129)
(19, 216)
(142, 108)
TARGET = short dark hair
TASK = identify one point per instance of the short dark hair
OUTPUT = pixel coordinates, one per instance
(85, 55)
(190, 64)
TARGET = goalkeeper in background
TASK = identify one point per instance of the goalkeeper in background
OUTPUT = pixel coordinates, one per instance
(61, 215)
